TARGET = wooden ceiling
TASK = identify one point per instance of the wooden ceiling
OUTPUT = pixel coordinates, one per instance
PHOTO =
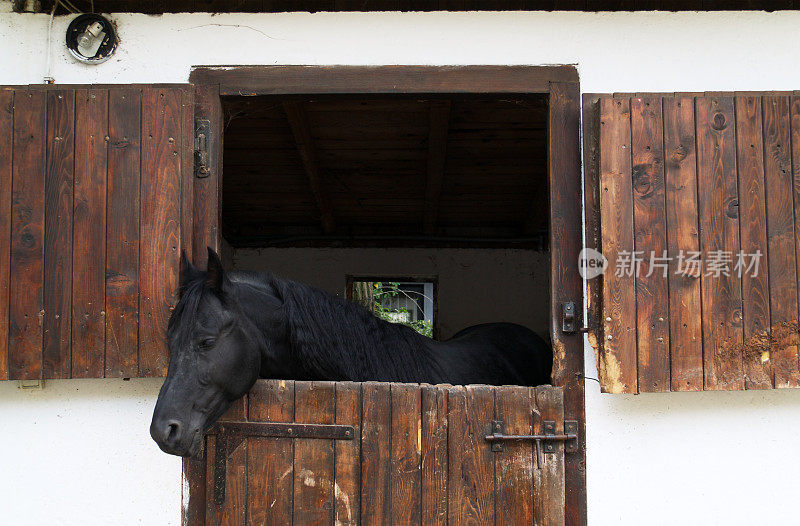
(412, 170)
(228, 6)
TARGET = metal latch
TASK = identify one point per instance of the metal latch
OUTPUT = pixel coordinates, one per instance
(230, 434)
(546, 440)
(569, 319)
(202, 129)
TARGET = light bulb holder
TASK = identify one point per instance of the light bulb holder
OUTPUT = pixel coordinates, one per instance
(91, 32)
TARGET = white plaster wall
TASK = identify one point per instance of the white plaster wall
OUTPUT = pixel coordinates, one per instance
(475, 286)
(738, 468)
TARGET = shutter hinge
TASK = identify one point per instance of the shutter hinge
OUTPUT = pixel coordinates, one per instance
(201, 136)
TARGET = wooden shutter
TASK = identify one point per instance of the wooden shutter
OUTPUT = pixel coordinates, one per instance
(91, 187)
(716, 174)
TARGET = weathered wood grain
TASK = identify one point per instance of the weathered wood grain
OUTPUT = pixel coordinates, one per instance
(650, 238)
(89, 232)
(618, 362)
(122, 232)
(548, 506)
(232, 511)
(57, 320)
(753, 236)
(795, 124)
(160, 221)
(206, 229)
(718, 205)
(347, 483)
(471, 471)
(315, 402)
(782, 251)
(270, 461)
(434, 455)
(680, 172)
(406, 452)
(27, 235)
(6, 148)
(515, 463)
(376, 429)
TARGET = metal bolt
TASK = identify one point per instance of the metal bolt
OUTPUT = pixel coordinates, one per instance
(610, 337)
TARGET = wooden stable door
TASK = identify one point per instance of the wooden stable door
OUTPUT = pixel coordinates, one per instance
(402, 454)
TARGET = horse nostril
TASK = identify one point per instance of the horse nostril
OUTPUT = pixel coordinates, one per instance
(173, 432)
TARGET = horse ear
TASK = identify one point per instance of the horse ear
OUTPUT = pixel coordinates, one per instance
(215, 275)
(188, 271)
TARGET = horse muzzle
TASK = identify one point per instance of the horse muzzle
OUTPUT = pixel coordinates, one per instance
(174, 438)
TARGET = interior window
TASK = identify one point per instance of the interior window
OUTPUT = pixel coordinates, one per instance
(412, 303)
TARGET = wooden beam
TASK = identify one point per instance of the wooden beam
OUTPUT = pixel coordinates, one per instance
(437, 153)
(305, 146)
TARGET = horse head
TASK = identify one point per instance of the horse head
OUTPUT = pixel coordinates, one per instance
(215, 358)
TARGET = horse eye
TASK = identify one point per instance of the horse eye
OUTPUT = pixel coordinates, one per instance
(207, 343)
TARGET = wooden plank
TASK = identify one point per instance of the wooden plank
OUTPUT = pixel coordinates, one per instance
(383, 79)
(270, 473)
(89, 230)
(347, 484)
(406, 447)
(781, 241)
(650, 238)
(159, 224)
(514, 474)
(719, 234)
(549, 491)
(122, 232)
(566, 229)
(27, 235)
(298, 121)
(187, 170)
(6, 148)
(680, 172)
(618, 362)
(315, 402)
(434, 455)
(795, 123)
(436, 156)
(232, 511)
(206, 229)
(753, 236)
(57, 321)
(471, 470)
(376, 429)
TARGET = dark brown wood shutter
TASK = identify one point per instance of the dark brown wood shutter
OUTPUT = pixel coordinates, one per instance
(716, 174)
(91, 191)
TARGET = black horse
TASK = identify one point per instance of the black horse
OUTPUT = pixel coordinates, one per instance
(229, 329)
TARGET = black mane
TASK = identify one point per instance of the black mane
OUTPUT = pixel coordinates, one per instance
(332, 338)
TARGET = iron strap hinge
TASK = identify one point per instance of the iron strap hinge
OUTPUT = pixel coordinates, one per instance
(202, 129)
(230, 434)
(283, 430)
(547, 440)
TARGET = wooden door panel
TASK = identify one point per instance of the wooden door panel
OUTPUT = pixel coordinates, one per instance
(419, 454)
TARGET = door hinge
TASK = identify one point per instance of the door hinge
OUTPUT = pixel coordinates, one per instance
(202, 129)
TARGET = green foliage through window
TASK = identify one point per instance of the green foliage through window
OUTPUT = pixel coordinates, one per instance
(381, 298)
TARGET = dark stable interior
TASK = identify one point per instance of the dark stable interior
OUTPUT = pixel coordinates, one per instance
(414, 170)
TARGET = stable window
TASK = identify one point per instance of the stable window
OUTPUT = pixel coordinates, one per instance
(399, 299)
(470, 174)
